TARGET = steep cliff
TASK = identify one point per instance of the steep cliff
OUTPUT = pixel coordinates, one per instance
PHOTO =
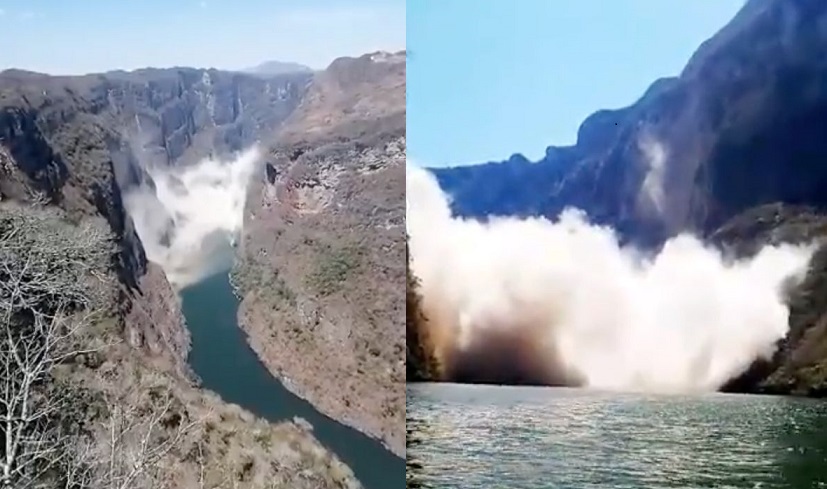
(741, 127)
(737, 128)
(321, 267)
(78, 143)
(81, 142)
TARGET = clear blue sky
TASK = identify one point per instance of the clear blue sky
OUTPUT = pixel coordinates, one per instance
(81, 36)
(489, 78)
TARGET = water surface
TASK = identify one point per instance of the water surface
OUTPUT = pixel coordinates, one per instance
(520, 438)
(221, 356)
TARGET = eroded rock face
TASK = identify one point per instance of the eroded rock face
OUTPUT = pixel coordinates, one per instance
(321, 271)
(322, 282)
(80, 142)
(710, 151)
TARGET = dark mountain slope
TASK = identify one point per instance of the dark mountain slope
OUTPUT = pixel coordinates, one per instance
(738, 128)
(733, 149)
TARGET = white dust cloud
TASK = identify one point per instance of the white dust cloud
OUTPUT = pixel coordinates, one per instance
(192, 216)
(655, 154)
(686, 319)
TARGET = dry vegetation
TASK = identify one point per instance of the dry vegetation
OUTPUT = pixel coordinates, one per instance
(420, 362)
(800, 364)
(320, 270)
(79, 408)
(350, 92)
(322, 290)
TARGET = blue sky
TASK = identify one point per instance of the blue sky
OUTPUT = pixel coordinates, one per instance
(489, 78)
(82, 36)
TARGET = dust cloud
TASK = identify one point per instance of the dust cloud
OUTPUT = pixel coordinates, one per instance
(189, 220)
(563, 303)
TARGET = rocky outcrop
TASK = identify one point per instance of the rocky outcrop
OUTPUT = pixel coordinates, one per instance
(352, 98)
(321, 267)
(740, 128)
(82, 141)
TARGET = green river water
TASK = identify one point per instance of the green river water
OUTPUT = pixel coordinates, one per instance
(227, 365)
(529, 438)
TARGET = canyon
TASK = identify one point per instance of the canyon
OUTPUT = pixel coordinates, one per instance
(82, 145)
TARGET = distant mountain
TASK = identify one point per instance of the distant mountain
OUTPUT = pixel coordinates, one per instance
(272, 68)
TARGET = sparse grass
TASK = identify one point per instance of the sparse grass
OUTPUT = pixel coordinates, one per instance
(334, 265)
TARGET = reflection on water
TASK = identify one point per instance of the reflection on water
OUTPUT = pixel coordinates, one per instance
(516, 438)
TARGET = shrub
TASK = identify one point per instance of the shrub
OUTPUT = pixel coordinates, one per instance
(333, 267)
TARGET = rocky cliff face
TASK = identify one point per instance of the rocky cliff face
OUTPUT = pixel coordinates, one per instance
(741, 127)
(737, 128)
(81, 142)
(78, 143)
(321, 271)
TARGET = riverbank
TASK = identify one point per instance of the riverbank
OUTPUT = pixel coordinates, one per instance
(313, 388)
(226, 364)
(338, 411)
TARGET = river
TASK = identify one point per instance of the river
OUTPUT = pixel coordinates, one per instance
(526, 438)
(227, 365)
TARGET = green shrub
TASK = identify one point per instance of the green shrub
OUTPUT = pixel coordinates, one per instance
(333, 267)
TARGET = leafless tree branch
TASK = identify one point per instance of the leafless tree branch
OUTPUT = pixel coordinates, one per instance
(53, 287)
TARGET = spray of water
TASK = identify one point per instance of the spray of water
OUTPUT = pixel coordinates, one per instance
(562, 302)
(192, 216)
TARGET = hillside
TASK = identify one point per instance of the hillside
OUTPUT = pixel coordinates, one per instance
(321, 272)
(76, 144)
(732, 149)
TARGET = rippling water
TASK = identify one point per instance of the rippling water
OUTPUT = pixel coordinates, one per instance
(520, 438)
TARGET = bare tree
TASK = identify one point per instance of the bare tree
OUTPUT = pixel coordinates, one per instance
(35, 443)
(54, 285)
(50, 289)
(134, 440)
